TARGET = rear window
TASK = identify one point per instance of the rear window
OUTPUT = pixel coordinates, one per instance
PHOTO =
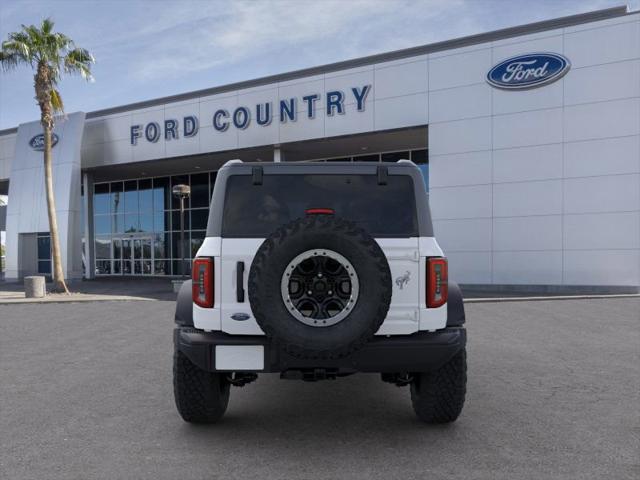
(257, 210)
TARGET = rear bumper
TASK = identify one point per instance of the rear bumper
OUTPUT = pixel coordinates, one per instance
(419, 352)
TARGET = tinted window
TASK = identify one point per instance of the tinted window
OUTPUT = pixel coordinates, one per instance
(257, 210)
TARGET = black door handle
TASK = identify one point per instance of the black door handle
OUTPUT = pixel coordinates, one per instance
(239, 282)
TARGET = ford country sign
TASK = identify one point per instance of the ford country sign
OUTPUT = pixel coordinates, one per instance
(528, 71)
(37, 142)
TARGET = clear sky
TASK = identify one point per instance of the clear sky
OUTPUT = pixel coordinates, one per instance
(149, 49)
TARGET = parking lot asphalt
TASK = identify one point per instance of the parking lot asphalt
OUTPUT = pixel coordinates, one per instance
(553, 392)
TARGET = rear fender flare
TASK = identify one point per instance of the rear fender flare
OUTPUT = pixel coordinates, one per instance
(184, 305)
(455, 306)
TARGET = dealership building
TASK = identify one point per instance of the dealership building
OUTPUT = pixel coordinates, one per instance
(528, 139)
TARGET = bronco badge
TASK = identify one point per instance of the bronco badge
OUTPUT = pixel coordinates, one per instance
(402, 280)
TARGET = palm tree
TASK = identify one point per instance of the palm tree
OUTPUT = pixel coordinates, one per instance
(50, 55)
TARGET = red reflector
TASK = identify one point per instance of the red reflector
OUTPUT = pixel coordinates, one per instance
(437, 282)
(319, 211)
(202, 282)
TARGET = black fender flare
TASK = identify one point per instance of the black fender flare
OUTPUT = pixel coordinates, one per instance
(184, 305)
(455, 306)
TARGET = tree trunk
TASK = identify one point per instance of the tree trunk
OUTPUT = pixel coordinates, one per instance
(59, 284)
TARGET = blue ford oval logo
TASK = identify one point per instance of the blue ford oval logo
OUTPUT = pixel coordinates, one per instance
(240, 317)
(528, 71)
(37, 142)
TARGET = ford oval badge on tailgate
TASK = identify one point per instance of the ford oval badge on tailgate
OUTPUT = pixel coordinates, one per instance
(241, 317)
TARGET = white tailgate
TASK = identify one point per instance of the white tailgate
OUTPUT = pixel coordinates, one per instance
(236, 250)
(404, 261)
(407, 313)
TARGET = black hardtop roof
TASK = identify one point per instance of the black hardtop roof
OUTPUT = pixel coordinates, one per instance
(258, 169)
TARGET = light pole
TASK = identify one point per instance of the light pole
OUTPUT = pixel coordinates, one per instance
(182, 192)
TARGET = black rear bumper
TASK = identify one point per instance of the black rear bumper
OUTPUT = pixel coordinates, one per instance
(419, 352)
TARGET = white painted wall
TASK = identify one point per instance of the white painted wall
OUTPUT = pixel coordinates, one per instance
(7, 150)
(27, 207)
(398, 99)
(540, 186)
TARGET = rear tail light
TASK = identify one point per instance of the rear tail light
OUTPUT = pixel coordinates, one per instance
(437, 282)
(202, 285)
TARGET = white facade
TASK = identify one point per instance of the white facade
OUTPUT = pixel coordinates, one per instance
(527, 187)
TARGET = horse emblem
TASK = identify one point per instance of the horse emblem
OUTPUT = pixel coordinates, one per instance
(403, 279)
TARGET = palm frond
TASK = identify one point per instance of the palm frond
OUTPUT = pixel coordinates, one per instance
(47, 26)
(79, 61)
(19, 47)
(9, 61)
(56, 101)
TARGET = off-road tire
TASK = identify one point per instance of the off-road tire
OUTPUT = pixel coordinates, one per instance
(438, 397)
(201, 396)
(317, 232)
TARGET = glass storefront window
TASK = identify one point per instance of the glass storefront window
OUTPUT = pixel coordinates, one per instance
(160, 245)
(103, 267)
(395, 156)
(131, 223)
(200, 190)
(175, 220)
(131, 203)
(199, 218)
(117, 223)
(101, 199)
(367, 158)
(196, 241)
(161, 222)
(161, 194)
(116, 197)
(117, 248)
(419, 156)
(103, 247)
(44, 247)
(44, 253)
(102, 224)
(44, 266)
(162, 267)
(145, 195)
(175, 244)
(146, 222)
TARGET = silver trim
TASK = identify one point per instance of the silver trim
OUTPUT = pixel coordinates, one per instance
(355, 288)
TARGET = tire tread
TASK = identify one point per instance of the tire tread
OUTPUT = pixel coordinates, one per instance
(438, 397)
(199, 395)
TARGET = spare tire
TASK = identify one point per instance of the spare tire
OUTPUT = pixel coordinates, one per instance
(320, 287)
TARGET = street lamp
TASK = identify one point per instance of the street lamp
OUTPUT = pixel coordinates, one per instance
(182, 192)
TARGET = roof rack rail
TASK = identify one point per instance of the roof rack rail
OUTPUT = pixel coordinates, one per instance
(404, 160)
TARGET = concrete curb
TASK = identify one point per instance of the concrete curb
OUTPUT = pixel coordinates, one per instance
(75, 299)
(547, 298)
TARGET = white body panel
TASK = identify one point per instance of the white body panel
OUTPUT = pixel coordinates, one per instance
(407, 261)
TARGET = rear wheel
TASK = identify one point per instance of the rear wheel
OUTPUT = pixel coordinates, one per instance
(201, 396)
(438, 396)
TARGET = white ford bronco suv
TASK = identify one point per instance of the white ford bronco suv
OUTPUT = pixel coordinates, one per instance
(317, 271)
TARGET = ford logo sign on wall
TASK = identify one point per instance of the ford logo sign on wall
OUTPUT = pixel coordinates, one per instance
(528, 71)
(37, 142)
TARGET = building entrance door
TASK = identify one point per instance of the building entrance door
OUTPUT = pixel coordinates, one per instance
(133, 256)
